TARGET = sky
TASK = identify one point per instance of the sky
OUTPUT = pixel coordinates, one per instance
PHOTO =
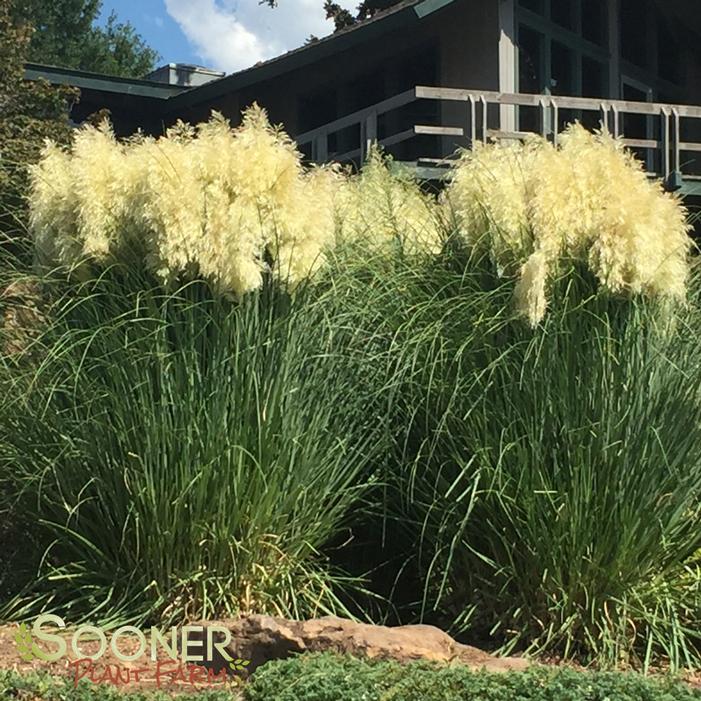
(227, 35)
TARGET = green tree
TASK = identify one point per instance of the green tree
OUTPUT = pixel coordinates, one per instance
(30, 112)
(343, 18)
(66, 33)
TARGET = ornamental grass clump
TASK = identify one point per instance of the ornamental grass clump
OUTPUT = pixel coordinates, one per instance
(190, 450)
(380, 208)
(227, 205)
(177, 456)
(545, 488)
(534, 205)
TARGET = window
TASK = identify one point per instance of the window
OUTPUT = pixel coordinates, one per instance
(565, 52)
(634, 39)
(563, 12)
(531, 73)
(317, 108)
(669, 62)
(364, 91)
(563, 69)
(594, 78)
(595, 82)
(531, 60)
(595, 21)
(639, 126)
(533, 5)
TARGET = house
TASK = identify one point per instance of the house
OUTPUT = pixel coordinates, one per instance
(425, 76)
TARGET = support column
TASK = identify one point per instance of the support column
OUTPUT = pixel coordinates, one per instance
(507, 60)
(614, 43)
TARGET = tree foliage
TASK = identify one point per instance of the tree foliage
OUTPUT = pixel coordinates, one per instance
(30, 112)
(66, 34)
(343, 18)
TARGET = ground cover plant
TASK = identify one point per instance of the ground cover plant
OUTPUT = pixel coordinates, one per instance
(44, 687)
(239, 359)
(332, 678)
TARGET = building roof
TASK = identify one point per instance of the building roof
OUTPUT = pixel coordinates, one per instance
(100, 82)
(405, 13)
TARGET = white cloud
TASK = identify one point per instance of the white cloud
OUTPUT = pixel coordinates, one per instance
(230, 35)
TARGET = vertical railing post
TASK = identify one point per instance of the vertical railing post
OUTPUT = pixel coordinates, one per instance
(556, 121)
(616, 121)
(677, 141)
(544, 117)
(368, 135)
(674, 180)
(472, 117)
(665, 146)
(485, 119)
(320, 149)
(605, 117)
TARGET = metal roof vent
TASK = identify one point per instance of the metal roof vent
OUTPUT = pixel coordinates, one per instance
(183, 74)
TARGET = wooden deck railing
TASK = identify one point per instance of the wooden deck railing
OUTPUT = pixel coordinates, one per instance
(673, 132)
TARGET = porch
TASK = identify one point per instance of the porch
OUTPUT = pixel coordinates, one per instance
(422, 128)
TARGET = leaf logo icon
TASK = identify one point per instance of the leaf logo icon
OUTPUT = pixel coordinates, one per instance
(23, 640)
(239, 665)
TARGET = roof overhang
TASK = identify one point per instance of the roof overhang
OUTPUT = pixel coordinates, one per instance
(101, 83)
(399, 16)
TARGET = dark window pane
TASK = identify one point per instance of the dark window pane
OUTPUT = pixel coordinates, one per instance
(634, 39)
(317, 108)
(563, 69)
(638, 126)
(562, 83)
(419, 68)
(594, 84)
(635, 126)
(594, 21)
(531, 74)
(530, 61)
(532, 5)
(669, 60)
(562, 13)
(364, 91)
(594, 79)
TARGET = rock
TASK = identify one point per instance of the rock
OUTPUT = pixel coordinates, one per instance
(260, 639)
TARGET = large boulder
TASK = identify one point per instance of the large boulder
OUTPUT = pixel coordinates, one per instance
(260, 639)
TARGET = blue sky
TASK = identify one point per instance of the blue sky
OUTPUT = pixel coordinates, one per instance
(228, 35)
(153, 22)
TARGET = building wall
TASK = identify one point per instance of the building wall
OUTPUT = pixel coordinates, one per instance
(127, 113)
(644, 41)
(461, 46)
(672, 62)
(456, 46)
(470, 59)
